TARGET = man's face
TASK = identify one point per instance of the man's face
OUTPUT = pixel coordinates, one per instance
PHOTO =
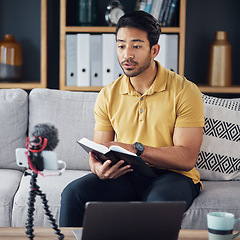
(133, 51)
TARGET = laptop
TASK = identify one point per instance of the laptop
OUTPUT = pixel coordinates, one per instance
(131, 220)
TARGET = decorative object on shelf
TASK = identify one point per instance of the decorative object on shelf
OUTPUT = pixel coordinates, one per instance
(114, 12)
(87, 12)
(220, 61)
(11, 61)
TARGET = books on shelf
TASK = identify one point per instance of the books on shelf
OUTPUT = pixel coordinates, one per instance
(142, 5)
(168, 12)
(115, 154)
(91, 59)
(163, 10)
(156, 8)
(148, 6)
(172, 12)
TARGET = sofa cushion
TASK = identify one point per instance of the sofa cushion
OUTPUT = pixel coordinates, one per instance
(52, 187)
(72, 114)
(219, 158)
(217, 196)
(13, 125)
(10, 180)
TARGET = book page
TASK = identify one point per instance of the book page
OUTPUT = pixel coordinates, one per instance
(93, 145)
(121, 150)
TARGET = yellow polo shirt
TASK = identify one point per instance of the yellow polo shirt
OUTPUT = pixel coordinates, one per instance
(172, 101)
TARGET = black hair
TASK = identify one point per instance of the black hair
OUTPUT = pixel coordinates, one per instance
(144, 21)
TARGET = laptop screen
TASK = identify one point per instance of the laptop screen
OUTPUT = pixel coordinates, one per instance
(131, 220)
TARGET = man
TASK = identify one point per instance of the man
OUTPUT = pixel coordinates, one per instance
(152, 112)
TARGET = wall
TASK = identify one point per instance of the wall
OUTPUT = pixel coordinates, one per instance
(22, 18)
(203, 19)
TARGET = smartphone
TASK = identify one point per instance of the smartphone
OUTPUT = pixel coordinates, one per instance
(50, 160)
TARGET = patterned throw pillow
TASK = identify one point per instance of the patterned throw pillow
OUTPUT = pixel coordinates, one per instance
(219, 157)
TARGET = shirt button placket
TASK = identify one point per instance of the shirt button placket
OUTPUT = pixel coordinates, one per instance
(141, 109)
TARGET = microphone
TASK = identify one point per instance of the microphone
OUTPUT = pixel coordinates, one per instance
(45, 131)
(38, 154)
(44, 139)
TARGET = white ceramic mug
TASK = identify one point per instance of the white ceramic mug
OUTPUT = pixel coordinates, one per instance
(220, 226)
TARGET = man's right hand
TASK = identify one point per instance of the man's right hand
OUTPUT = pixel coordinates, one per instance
(104, 171)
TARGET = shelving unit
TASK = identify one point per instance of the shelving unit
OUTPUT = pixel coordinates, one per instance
(43, 77)
(180, 30)
(231, 90)
(75, 29)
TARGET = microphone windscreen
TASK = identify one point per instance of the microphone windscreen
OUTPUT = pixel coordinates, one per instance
(48, 131)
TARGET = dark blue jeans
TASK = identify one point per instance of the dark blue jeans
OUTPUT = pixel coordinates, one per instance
(167, 186)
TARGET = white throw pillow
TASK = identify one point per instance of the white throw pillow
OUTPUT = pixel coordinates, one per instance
(219, 157)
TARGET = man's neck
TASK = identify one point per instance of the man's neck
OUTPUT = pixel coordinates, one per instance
(144, 81)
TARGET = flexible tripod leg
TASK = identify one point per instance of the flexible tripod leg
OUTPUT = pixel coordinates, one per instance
(35, 190)
(50, 216)
(29, 224)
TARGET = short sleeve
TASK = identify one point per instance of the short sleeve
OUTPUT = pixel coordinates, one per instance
(190, 110)
(101, 113)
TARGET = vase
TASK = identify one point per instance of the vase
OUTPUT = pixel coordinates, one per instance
(87, 12)
(220, 61)
(11, 61)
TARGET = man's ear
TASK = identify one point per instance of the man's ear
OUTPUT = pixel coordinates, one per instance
(155, 50)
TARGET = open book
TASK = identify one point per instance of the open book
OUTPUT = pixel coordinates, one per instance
(116, 153)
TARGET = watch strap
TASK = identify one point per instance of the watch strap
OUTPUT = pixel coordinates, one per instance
(139, 148)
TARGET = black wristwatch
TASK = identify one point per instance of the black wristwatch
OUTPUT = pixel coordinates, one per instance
(139, 147)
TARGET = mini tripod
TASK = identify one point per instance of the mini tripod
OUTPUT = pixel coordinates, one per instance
(35, 190)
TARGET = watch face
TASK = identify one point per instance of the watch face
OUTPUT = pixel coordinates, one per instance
(139, 146)
(115, 14)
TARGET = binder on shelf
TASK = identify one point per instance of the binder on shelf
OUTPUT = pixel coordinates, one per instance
(96, 59)
(108, 58)
(118, 72)
(83, 59)
(168, 54)
(71, 60)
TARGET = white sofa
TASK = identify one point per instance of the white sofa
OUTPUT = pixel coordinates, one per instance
(72, 114)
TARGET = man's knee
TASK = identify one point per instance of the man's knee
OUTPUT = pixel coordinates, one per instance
(177, 188)
(74, 190)
(68, 194)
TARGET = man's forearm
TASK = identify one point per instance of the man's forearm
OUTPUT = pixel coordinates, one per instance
(173, 157)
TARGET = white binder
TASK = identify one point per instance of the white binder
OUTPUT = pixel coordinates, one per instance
(168, 54)
(83, 59)
(117, 69)
(96, 59)
(71, 60)
(108, 58)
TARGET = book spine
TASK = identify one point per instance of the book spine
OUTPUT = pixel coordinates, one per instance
(172, 13)
(142, 5)
(156, 8)
(163, 9)
(148, 6)
(166, 13)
